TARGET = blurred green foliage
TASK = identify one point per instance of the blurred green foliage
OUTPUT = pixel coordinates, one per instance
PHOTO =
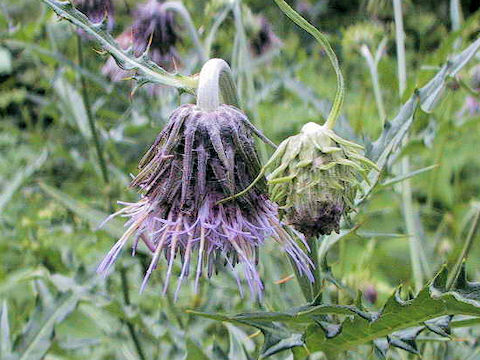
(52, 197)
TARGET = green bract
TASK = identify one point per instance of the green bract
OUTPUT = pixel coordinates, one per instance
(315, 178)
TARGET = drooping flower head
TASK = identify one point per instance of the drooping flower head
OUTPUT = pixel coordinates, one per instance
(315, 179)
(198, 159)
(96, 10)
(155, 28)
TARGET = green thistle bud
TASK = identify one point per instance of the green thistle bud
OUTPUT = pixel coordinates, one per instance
(315, 179)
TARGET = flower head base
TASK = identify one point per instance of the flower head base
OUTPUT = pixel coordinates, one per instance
(198, 159)
(96, 10)
(316, 178)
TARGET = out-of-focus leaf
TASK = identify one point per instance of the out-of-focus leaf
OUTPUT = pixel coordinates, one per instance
(194, 352)
(20, 176)
(92, 216)
(5, 61)
(5, 342)
(37, 337)
(239, 343)
(401, 178)
(60, 58)
(16, 277)
(73, 108)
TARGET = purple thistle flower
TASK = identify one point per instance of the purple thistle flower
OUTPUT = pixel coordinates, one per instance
(155, 29)
(197, 160)
(264, 39)
(96, 10)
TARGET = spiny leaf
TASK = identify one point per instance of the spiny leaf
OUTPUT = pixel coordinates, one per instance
(427, 98)
(399, 320)
(147, 70)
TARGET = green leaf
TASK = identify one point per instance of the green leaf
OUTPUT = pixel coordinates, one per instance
(5, 343)
(194, 352)
(15, 277)
(147, 70)
(37, 337)
(239, 343)
(5, 61)
(20, 177)
(92, 216)
(399, 320)
(72, 106)
(427, 98)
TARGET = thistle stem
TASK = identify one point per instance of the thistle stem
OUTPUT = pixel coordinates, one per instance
(372, 66)
(131, 329)
(103, 167)
(400, 43)
(417, 256)
(317, 285)
(216, 86)
(465, 250)
(91, 120)
(323, 41)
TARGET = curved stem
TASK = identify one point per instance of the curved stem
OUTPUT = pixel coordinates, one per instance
(322, 39)
(183, 12)
(216, 86)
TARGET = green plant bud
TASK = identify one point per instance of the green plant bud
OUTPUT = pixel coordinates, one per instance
(316, 176)
(355, 36)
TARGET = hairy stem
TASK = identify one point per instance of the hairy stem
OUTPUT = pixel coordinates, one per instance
(130, 327)
(322, 40)
(216, 86)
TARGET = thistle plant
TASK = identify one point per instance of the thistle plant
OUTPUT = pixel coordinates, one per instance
(204, 153)
(155, 29)
(154, 32)
(206, 205)
(315, 175)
